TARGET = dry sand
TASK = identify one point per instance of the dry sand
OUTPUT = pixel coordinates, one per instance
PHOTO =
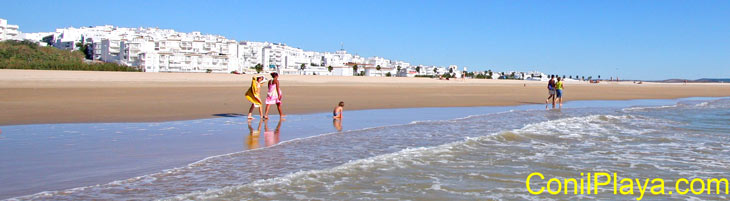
(31, 97)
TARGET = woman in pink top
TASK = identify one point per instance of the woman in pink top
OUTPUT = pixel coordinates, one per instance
(274, 95)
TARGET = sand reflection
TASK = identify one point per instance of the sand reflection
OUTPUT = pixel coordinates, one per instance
(252, 140)
(337, 123)
(271, 137)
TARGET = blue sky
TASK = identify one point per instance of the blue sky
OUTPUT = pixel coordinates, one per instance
(629, 39)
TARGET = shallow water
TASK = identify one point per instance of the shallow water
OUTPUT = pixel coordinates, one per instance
(486, 153)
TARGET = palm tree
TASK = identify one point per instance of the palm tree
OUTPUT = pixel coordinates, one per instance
(398, 68)
(259, 68)
(418, 69)
(354, 69)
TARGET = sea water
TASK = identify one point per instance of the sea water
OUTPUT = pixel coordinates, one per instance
(481, 156)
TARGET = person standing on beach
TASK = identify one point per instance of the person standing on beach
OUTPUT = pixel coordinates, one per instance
(559, 91)
(274, 95)
(551, 91)
(253, 95)
(337, 113)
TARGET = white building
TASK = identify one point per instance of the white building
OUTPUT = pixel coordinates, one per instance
(536, 76)
(165, 50)
(8, 31)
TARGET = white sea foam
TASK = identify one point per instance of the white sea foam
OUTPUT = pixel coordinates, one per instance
(408, 157)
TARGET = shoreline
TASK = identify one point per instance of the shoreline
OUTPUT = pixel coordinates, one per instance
(46, 97)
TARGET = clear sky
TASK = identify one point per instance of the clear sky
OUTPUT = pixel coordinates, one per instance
(631, 39)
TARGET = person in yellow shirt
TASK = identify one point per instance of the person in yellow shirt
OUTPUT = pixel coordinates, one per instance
(559, 91)
(253, 95)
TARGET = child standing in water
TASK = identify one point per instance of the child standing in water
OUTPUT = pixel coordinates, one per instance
(253, 95)
(274, 95)
(337, 113)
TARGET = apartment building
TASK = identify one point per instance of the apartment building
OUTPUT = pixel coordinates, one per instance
(165, 50)
(8, 31)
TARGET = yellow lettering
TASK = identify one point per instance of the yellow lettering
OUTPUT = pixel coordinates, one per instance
(624, 186)
(676, 186)
(582, 190)
(709, 183)
(642, 189)
(595, 180)
(575, 186)
(527, 183)
(550, 190)
(660, 186)
(692, 188)
(615, 185)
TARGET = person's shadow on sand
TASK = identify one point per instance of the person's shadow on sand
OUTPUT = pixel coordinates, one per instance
(229, 115)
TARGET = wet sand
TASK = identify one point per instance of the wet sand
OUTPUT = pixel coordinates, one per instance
(33, 97)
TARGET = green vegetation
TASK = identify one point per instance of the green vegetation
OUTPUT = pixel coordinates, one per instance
(482, 76)
(329, 68)
(28, 55)
(426, 76)
(259, 68)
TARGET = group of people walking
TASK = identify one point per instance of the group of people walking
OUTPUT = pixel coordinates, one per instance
(555, 91)
(272, 97)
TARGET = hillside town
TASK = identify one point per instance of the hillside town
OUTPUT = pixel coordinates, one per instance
(166, 50)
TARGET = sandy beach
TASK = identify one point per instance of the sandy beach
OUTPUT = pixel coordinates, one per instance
(34, 97)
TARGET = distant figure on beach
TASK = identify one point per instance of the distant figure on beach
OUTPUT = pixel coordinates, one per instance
(559, 91)
(551, 91)
(337, 113)
(253, 95)
(274, 96)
